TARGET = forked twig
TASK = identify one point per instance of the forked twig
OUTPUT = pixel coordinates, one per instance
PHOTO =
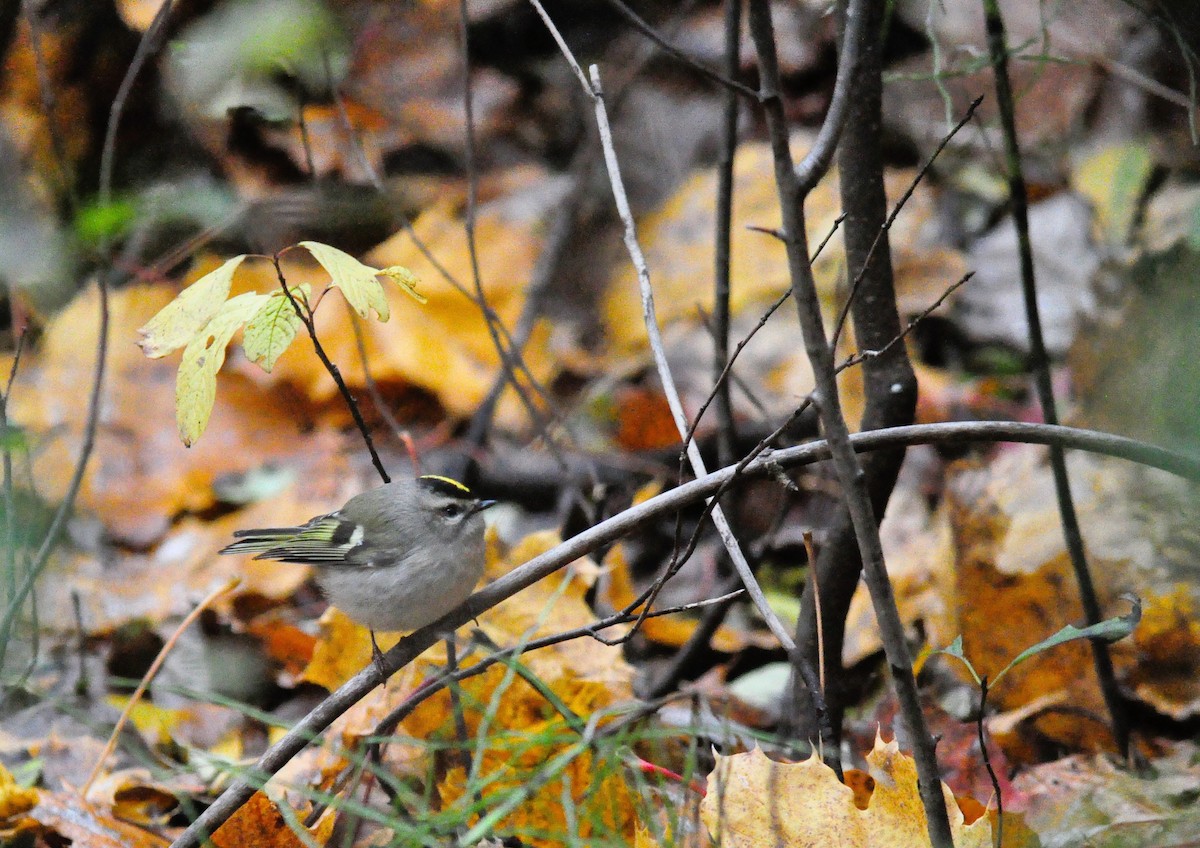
(793, 188)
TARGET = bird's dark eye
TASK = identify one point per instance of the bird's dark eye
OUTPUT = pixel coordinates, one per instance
(452, 510)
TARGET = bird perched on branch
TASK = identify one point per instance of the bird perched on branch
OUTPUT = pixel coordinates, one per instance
(395, 558)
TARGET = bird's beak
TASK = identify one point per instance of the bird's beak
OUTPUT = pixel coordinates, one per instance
(480, 506)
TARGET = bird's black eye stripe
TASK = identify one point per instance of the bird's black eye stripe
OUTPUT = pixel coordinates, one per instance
(452, 510)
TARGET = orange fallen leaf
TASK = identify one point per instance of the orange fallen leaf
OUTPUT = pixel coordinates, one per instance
(14, 799)
(257, 824)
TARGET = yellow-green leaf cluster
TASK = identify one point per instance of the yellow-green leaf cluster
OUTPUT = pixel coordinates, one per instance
(203, 319)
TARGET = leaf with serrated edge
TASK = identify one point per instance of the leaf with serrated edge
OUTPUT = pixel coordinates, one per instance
(196, 382)
(356, 280)
(273, 329)
(180, 320)
(406, 280)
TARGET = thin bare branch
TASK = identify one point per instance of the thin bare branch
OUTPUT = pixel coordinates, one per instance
(725, 79)
(304, 313)
(816, 162)
(1072, 534)
(675, 403)
(722, 254)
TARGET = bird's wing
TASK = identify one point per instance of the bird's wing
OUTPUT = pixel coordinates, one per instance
(326, 540)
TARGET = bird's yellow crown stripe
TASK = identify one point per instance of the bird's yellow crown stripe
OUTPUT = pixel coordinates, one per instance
(447, 480)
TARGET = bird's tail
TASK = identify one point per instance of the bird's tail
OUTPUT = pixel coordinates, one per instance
(260, 541)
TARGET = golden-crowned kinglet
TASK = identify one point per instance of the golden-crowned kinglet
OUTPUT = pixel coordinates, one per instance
(394, 558)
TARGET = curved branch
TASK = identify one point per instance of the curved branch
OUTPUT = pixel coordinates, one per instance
(816, 162)
(408, 648)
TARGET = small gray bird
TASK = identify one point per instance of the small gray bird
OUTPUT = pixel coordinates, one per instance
(394, 558)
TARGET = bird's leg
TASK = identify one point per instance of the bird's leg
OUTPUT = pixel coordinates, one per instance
(377, 658)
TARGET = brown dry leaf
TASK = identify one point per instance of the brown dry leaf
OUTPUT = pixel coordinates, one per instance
(138, 586)
(1089, 800)
(62, 819)
(923, 104)
(143, 803)
(257, 824)
(920, 564)
(990, 565)
(140, 477)
(1167, 642)
(419, 87)
(753, 801)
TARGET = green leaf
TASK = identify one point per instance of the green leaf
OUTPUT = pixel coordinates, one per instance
(180, 320)
(273, 329)
(955, 649)
(407, 281)
(357, 281)
(196, 382)
(97, 222)
(1109, 630)
(13, 437)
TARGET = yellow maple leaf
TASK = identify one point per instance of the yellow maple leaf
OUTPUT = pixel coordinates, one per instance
(753, 801)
